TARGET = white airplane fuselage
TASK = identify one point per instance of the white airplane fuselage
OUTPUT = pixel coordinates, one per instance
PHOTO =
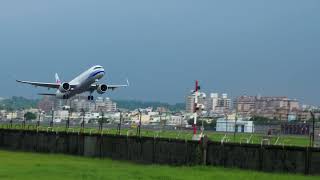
(83, 82)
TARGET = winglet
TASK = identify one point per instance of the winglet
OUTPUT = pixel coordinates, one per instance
(128, 83)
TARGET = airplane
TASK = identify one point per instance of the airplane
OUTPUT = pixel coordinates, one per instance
(85, 82)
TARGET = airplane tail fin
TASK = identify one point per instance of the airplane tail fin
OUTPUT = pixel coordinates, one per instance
(57, 79)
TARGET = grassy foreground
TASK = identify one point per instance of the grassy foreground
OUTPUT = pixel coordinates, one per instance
(17, 165)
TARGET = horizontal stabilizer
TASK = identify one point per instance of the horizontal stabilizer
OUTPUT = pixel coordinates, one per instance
(46, 94)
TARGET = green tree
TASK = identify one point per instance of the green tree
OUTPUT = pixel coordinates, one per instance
(30, 116)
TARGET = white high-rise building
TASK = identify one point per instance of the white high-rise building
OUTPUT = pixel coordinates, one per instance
(105, 105)
(218, 104)
(224, 101)
(190, 103)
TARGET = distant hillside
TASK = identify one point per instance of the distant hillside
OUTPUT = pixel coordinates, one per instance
(134, 104)
(16, 103)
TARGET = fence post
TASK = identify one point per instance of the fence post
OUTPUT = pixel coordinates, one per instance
(99, 136)
(37, 141)
(307, 160)
(154, 150)
(127, 147)
(204, 148)
(261, 152)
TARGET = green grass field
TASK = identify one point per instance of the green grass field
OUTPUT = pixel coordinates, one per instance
(18, 165)
(288, 140)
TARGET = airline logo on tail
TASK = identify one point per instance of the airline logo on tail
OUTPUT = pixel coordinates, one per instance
(58, 79)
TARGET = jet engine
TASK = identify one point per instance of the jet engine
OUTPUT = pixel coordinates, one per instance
(64, 87)
(102, 88)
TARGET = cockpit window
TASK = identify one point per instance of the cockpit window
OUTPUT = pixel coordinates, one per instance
(98, 67)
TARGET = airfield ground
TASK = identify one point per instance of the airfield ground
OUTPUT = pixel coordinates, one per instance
(18, 165)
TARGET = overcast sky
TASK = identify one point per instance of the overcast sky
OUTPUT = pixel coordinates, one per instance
(266, 47)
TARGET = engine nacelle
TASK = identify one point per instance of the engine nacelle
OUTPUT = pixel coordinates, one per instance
(64, 87)
(102, 88)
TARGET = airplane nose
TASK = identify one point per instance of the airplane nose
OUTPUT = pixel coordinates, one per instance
(100, 75)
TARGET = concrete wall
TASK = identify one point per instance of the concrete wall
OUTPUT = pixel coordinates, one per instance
(265, 158)
(166, 151)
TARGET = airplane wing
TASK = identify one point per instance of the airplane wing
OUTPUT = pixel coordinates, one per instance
(47, 94)
(41, 84)
(110, 86)
(113, 87)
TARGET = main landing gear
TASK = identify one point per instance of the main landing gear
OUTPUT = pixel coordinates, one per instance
(90, 98)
